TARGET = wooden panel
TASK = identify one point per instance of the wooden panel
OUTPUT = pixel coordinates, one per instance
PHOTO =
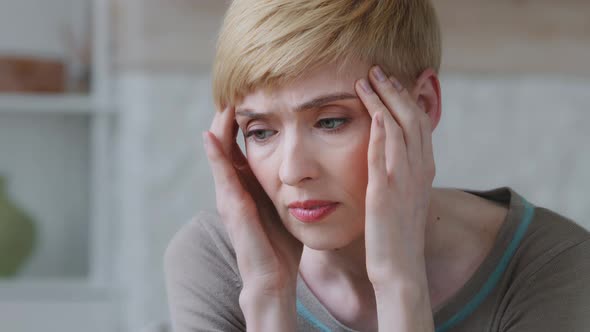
(508, 36)
(167, 34)
(504, 36)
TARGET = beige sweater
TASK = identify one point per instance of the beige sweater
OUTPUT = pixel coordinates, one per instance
(536, 278)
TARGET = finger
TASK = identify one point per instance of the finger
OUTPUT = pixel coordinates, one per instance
(223, 129)
(220, 128)
(239, 160)
(221, 123)
(228, 188)
(396, 156)
(396, 99)
(234, 204)
(376, 154)
(414, 115)
(427, 151)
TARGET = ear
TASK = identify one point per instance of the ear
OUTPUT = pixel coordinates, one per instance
(426, 93)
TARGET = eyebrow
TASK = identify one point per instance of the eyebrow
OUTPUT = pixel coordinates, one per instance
(312, 104)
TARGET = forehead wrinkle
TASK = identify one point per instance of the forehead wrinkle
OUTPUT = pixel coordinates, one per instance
(308, 105)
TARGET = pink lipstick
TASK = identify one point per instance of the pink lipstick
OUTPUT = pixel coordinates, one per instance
(312, 210)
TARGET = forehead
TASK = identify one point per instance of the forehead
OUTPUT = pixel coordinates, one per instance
(324, 80)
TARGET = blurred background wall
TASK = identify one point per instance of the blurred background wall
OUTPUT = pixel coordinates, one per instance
(515, 84)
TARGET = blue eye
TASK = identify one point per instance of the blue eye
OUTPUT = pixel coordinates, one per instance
(332, 123)
(259, 134)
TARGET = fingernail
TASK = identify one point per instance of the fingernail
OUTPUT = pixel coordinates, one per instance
(396, 84)
(365, 86)
(379, 75)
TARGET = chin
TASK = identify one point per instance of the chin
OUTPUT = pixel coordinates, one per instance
(325, 242)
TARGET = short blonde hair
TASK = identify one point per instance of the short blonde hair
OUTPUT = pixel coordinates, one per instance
(266, 43)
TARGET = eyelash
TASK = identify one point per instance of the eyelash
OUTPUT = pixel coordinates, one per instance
(344, 122)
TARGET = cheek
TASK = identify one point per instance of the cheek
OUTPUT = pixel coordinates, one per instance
(353, 174)
(355, 163)
(265, 173)
(354, 155)
(259, 168)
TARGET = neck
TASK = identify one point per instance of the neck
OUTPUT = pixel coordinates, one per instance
(451, 217)
(345, 262)
(460, 230)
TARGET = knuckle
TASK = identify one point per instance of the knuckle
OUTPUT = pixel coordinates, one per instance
(388, 86)
(377, 137)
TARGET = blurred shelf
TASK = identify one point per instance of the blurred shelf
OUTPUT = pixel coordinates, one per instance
(47, 104)
(58, 152)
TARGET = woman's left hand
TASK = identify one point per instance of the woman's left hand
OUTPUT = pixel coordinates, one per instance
(400, 174)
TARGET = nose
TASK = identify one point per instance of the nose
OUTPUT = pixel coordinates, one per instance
(299, 163)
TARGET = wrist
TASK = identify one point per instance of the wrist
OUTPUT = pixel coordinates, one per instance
(399, 290)
(406, 284)
(269, 311)
(404, 306)
(249, 294)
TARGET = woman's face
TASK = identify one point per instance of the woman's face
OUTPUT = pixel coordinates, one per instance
(315, 153)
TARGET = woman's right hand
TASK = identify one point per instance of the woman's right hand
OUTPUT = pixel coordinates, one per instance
(268, 256)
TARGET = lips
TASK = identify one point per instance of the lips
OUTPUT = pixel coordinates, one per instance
(312, 210)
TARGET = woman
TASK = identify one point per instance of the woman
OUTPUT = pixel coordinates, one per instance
(330, 222)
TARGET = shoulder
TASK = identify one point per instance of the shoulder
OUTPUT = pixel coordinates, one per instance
(557, 241)
(203, 229)
(203, 241)
(551, 235)
(554, 295)
(547, 220)
(550, 288)
(202, 279)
